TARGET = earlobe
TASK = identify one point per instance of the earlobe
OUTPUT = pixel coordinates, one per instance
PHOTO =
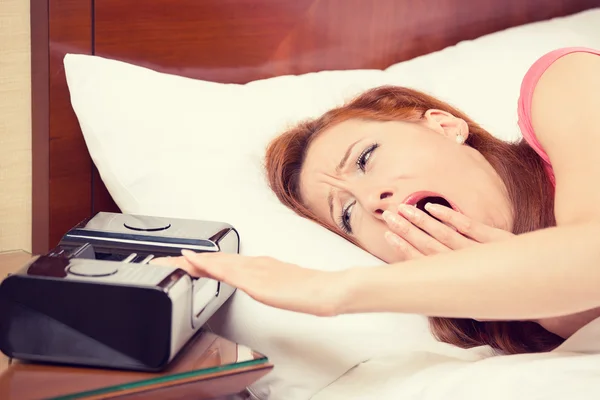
(446, 124)
(463, 130)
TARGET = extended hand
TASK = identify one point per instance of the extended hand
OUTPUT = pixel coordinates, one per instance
(414, 234)
(267, 280)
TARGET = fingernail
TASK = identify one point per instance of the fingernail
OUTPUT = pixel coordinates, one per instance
(392, 238)
(407, 210)
(432, 207)
(186, 252)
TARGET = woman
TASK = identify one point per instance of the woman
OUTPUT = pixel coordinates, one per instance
(404, 176)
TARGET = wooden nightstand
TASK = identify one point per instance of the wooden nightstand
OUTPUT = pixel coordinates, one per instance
(209, 367)
(10, 262)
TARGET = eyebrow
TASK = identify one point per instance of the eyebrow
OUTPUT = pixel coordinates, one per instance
(340, 167)
(344, 159)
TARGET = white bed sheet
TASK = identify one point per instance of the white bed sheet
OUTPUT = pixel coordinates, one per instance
(570, 372)
(427, 376)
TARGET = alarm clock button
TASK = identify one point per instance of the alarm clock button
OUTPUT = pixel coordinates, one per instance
(93, 269)
(146, 224)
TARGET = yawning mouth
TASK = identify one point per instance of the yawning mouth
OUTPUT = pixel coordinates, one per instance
(419, 199)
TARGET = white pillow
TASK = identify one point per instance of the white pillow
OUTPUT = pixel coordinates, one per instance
(172, 146)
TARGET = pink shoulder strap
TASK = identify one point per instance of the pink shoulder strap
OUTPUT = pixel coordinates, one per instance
(530, 80)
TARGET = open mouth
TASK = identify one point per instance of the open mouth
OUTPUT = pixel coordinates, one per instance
(420, 199)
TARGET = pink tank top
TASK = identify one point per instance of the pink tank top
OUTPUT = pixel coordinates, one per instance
(530, 80)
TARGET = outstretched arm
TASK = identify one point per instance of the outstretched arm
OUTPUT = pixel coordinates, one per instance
(546, 273)
(537, 275)
(540, 274)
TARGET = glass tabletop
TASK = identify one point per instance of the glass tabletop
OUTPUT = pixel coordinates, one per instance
(206, 356)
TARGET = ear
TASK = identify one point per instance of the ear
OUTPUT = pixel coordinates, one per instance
(446, 124)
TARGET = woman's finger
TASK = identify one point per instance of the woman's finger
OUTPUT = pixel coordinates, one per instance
(404, 249)
(420, 240)
(178, 262)
(436, 229)
(219, 266)
(467, 226)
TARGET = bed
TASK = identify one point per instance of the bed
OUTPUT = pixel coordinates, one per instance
(237, 50)
(226, 41)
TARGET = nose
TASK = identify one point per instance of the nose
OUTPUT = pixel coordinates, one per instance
(377, 200)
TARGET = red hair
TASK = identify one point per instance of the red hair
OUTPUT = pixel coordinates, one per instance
(521, 169)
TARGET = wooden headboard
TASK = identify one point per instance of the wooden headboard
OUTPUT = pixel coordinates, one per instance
(225, 41)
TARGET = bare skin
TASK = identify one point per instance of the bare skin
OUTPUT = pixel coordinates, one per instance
(387, 163)
(550, 276)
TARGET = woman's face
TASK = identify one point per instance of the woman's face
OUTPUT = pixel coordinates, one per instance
(356, 169)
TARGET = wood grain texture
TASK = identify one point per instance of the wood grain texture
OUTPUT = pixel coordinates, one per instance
(15, 126)
(62, 168)
(232, 41)
(184, 378)
(243, 40)
(40, 126)
(70, 166)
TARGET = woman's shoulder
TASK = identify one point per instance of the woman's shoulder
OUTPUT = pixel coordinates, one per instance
(532, 77)
(528, 85)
